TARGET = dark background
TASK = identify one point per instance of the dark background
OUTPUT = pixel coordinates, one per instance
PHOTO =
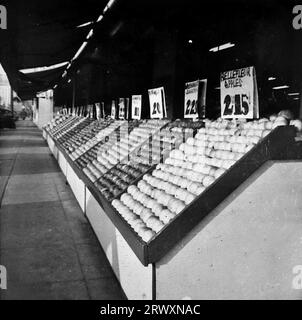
(144, 44)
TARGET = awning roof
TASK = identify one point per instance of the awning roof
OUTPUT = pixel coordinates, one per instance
(42, 34)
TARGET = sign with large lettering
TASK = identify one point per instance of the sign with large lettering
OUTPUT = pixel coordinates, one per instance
(195, 99)
(239, 94)
(157, 103)
(136, 107)
(98, 111)
(122, 109)
(113, 109)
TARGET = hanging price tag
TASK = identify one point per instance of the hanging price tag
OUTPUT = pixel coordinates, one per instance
(113, 110)
(157, 103)
(191, 99)
(122, 107)
(103, 115)
(98, 111)
(239, 94)
(195, 99)
(127, 105)
(136, 107)
(90, 111)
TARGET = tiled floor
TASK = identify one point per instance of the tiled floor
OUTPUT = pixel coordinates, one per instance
(46, 243)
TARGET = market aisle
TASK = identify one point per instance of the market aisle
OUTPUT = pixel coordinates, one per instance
(46, 244)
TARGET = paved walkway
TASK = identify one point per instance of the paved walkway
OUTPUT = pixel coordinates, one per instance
(46, 244)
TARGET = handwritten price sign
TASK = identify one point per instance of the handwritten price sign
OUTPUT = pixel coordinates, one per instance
(157, 103)
(136, 107)
(239, 94)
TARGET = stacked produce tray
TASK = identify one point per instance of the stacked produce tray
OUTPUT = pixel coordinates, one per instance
(169, 194)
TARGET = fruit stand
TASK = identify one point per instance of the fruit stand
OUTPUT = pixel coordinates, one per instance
(145, 243)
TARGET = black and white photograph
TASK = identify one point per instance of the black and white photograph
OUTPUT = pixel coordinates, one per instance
(150, 152)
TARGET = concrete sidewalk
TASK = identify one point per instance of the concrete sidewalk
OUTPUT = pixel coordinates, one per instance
(46, 243)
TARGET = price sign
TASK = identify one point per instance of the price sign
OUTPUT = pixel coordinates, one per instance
(127, 104)
(122, 109)
(113, 110)
(82, 112)
(191, 99)
(98, 111)
(157, 103)
(136, 109)
(195, 99)
(239, 94)
(90, 111)
(103, 115)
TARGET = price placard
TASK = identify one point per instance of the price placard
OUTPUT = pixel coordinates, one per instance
(127, 104)
(136, 107)
(90, 111)
(103, 114)
(113, 109)
(191, 99)
(195, 99)
(157, 103)
(98, 110)
(239, 94)
(122, 109)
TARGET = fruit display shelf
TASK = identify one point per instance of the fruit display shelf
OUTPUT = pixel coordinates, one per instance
(59, 124)
(158, 147)
(117, 170)
(99, 140)
(89, 162)
(144, 158)
(173, 197)
(164, 206)
(85, 137)
(95, 136)
(67, 134)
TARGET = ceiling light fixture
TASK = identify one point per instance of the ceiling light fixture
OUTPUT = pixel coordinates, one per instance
(271, 78)
(83, 46)
(293, 94)
(46, 68)
(281, 87)
(100, 18)
(90, 34)
(85, 24)
(222, 47)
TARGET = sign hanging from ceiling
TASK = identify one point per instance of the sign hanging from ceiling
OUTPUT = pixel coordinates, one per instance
(98, 111)
(136, 107)
(239, 94)
(122, 109)
(195, 99)
(157, 103)
(113, 109)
